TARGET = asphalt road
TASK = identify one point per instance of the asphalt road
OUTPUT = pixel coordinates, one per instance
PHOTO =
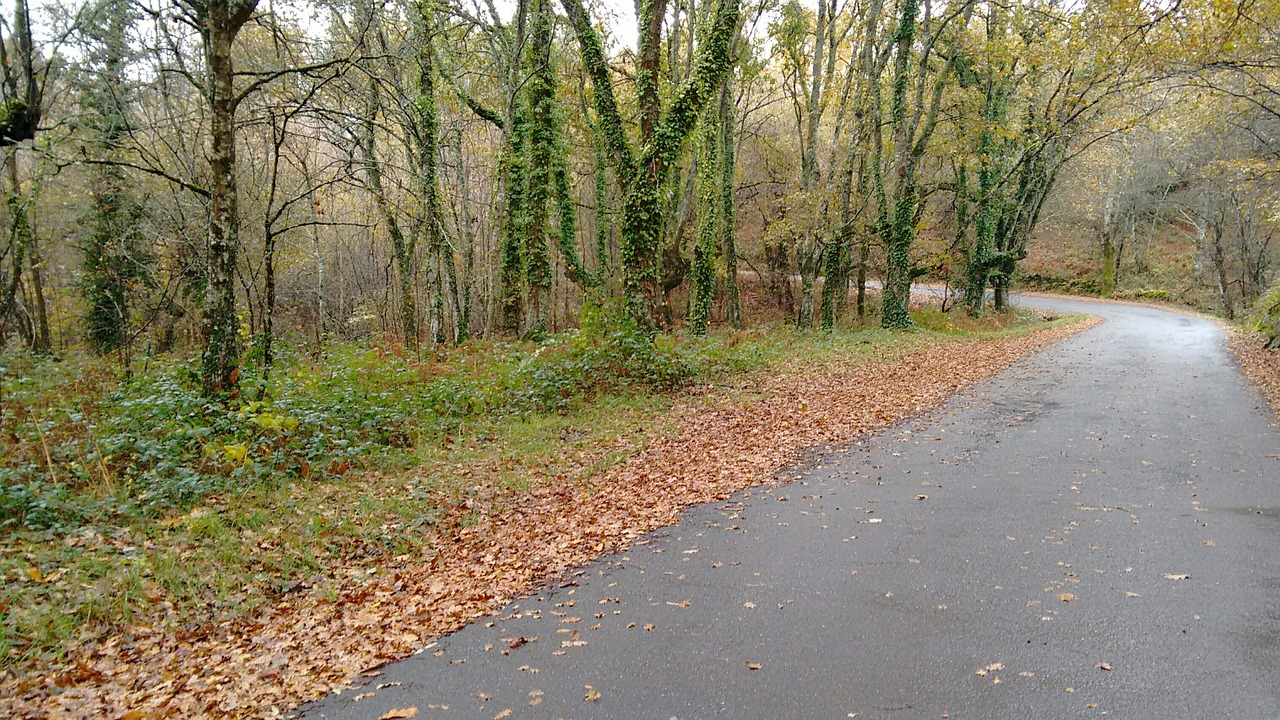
(1094, 532)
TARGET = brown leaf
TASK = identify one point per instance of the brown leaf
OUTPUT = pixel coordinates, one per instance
(754, 666)
(399, 713)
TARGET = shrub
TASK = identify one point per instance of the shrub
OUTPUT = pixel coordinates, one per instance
(1266, 314)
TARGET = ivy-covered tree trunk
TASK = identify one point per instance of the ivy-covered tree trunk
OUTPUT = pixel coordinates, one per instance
(221, 21)
(913, 125)
(538, 108)
(536, 175)
(728, 204)
(511, 170)
(901, 229)
(983, 255)
(426, 132)
(113, 255)
(663, 132)
(709, 233)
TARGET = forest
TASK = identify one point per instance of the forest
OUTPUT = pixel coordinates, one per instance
(249, 245)
(209, 178)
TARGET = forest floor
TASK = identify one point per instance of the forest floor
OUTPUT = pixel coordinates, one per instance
(1259, 363)
(217, 609)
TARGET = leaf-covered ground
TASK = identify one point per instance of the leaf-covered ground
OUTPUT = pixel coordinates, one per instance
(715, 440)
(1259, 363)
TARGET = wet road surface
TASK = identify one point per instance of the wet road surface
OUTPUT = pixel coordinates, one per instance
(1095, 532)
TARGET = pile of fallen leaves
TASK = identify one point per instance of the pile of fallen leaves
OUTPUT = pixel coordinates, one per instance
(306, 645)
(1259, 363)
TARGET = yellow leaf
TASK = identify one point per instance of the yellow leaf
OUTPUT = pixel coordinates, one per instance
(35, 574)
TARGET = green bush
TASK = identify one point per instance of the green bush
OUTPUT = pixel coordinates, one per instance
(1266, 314)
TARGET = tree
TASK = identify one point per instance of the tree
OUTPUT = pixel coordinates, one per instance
(641, 170)
(115, 257)
(911, 120)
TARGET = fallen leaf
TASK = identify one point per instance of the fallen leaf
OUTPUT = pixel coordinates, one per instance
(1171, 576)
(754, 666)
(1105, 666)
(592, 694)
(399, 713)
(504, 714)
(1131, 594)
(1066, 597)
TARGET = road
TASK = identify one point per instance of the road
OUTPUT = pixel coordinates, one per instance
(1094, 532)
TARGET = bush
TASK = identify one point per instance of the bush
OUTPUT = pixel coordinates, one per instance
(1266, 314)
(152, 444)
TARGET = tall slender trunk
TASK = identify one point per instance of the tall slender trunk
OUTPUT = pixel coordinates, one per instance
(427, 132)
(709, 211)
(901, 231)
(808, 253)
(728, 204)
(222, 20)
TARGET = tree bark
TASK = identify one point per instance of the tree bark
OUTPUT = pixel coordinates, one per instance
(222, 20)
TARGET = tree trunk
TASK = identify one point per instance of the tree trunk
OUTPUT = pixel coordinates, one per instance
(728, 205)
(896, 294)
(222, 20)
(709, 207)
(402, 248)
(662, 134)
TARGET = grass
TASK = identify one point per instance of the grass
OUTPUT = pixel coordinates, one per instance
(130, 506)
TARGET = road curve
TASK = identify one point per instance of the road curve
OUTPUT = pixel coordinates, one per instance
(1094, 532)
